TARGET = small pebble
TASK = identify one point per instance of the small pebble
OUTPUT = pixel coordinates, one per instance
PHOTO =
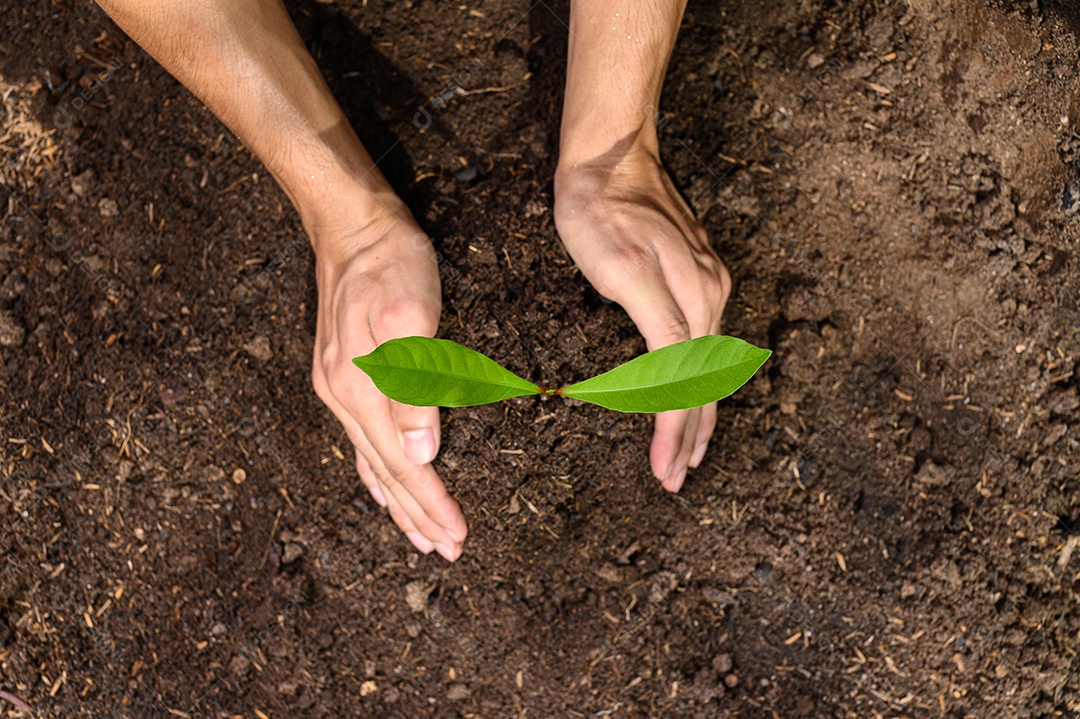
(293, 551)
(416, 595)
(466, 174)
(259, 348)
(12, 334)
(1070, 199)
(108, 208)
(12, 286)
(731, 681)
(273, 557)
(609, 573)
(932, 475)
(715, 596)
(722, 663)
(80, 182)
(240, 665)
(661, 585)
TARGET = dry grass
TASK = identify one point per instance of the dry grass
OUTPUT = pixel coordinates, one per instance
(26, 147)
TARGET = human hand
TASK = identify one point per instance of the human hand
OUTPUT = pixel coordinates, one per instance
(636, 240)
(376, 284)
(376, 279)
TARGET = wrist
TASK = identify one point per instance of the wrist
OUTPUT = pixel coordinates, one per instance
(627, 163)
(329, 176)
(586, 146)
(351, 219)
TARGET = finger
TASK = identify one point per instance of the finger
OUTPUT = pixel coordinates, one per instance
(359, 442)
(423, 531)
(418, 490)
(367, 476)
(408, 442)
(356, 436)
(667, 441)
(704, 433)
(419, 431)
(400, 513)
(397, 512)
(674, 481)
(366, 468)
(422, 495)
(408, 527)
(428, 502)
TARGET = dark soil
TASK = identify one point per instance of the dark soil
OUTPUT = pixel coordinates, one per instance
(883, 525)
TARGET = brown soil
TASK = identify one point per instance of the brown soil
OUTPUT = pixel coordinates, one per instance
(883, 526)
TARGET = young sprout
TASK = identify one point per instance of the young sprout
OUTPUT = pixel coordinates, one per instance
(439, 373)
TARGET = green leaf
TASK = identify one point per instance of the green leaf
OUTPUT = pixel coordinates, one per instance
(680, 376)
(439, 373)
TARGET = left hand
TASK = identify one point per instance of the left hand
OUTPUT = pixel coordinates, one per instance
(637, 241)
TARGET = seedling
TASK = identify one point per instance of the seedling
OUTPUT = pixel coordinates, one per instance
(439, 373)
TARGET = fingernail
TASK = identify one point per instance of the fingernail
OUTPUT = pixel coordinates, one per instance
(677, 483)
(699, 454)
(445, 552)
(378, 496)
(419, 445)
(420, 542)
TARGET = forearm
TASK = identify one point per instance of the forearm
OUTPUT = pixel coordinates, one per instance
(245, 60)
(618, 56)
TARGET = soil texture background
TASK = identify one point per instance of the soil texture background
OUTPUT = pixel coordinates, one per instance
(884, 525)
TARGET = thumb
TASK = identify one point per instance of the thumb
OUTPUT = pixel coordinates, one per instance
(418, 428)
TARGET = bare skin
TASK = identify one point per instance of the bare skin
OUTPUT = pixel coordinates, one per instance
(616, 209)
(619, 215)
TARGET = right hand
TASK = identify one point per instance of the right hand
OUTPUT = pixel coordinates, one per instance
(636, 240)
(375, 285)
